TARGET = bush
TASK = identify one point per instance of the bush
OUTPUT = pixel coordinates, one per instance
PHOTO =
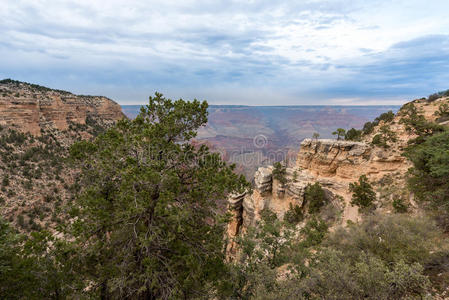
(279, 172)
(314, 197)
(428, 177)
(386, 117)
(433, 97)
(377, 140)
(362, 193)
(314, 232)
(369, 127)
(442, 113)
(294, 214)
(353, 135)
(5, 181)
(417, 124)
(392, 238)
(399, 205)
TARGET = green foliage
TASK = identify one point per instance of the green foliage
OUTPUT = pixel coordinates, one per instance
(294, 214)
(314, 197)
(386, 117)
(33, 267)
(392, 238)
(263, 248)
(279, 172)
(368, 127)
(442, 113)
(428, 177)
(146, 214)
(340, 132)
(32, 86)
(381, 258)
(377, 140)
(385, 136)
(438, 95)
(353, 135)
(399, 205)
(362, 193)
(314, 232)
(5, 181)
(417, 124)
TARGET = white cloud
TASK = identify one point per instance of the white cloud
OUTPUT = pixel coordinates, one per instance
(295, 51)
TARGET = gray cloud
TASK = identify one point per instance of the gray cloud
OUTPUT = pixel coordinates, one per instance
(244, 52)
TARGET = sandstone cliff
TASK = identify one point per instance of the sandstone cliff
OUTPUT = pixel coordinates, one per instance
(37, 125)
(335, 164)
(32, 108)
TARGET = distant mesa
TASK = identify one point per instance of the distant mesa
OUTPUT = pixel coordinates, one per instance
(33, 108)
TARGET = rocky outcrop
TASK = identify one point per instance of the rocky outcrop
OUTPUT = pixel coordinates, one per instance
(335, 164)
(331, 157)
(343, 161)
(269, 193)
(32, 108)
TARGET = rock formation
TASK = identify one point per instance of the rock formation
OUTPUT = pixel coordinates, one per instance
(334, 164)
(37, 125)
(32, 108)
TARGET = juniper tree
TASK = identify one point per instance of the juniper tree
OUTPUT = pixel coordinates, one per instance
(340, 132)
(362, 193)
(146, 216)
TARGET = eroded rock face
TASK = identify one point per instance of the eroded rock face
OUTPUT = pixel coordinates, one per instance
(32, 108)
(331, 157)
(263, 179)
(268, 193)
(335, 164)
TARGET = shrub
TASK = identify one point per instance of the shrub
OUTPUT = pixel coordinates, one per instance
(5, 181)
(377, 140)
(279, 172)
(392, 238)
(314, 232)
(428, 177)
(399, 205)
(362, 193)
(353, 135)
(386, 117)
(442, 113)
(433, 97)
(21, 221)
(369, 127)
(314, 197)
(294, 214)
(417, 124)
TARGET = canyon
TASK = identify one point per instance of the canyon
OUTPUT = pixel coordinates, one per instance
(32, 108)
(254, 136)
(334, 164)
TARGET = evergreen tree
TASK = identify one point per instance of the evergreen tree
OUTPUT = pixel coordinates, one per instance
(315, 197)
(362, 193)
(146, 219)
(340, 132)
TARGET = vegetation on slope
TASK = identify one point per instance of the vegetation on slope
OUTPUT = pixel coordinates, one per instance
(142, 224)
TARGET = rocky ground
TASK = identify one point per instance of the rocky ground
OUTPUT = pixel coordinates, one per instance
(37, 125)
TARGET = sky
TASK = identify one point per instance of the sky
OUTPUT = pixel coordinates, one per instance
(249, 52)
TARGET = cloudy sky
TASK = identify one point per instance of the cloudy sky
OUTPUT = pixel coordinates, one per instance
(230, 52)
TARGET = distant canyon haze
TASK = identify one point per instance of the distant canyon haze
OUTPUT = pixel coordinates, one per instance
(253, 136)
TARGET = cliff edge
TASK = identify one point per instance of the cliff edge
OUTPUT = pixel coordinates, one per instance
(33, 108)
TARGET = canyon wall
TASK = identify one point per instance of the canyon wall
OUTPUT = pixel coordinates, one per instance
(334, 164)
(32, 108)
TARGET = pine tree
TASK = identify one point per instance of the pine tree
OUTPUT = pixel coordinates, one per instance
(146, 217)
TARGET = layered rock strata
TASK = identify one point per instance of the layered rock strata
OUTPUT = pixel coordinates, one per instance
(32, 108)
